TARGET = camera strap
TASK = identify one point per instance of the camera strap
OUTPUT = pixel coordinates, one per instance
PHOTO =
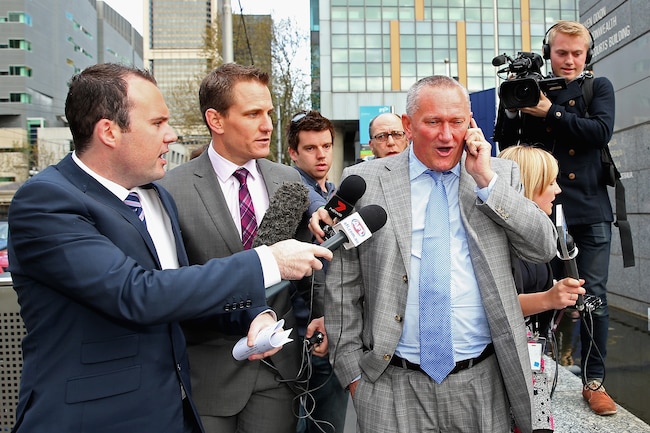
(625, 231)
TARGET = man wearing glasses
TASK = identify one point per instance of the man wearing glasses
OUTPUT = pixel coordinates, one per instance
(387, 136)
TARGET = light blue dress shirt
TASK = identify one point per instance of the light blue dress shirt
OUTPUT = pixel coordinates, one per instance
(470, 329)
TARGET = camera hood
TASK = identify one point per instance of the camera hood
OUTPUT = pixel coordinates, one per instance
(519, 93)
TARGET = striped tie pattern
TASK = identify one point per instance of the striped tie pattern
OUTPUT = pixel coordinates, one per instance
(436, 344)
(133, 201)
(246, 210)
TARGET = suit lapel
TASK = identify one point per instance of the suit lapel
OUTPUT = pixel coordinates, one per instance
(271, 179)
(396, 189)
(209, 191)
(93, 189)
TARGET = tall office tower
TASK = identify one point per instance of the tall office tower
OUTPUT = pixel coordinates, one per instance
(367, 53)
(173, 39)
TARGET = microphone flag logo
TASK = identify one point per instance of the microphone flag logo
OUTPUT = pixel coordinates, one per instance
(356, 230)
(341, 207)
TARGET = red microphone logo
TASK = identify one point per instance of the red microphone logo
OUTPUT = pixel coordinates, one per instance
(340, 207)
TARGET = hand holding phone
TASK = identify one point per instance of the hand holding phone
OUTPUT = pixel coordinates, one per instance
(478, 153)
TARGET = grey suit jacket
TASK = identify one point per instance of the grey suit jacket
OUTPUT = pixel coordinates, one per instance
(221, 386)
(365, 296)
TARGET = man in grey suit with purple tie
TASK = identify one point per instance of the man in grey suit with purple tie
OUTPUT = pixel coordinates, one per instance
(411, 366)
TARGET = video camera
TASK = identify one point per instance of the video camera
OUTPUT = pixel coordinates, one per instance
(523, 90)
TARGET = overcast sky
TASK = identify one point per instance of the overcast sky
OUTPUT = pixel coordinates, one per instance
(299, 9)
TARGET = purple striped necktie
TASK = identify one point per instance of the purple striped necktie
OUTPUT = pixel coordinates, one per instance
(246, 210)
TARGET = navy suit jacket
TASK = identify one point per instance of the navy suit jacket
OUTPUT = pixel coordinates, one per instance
(104, 351)
(575, 138)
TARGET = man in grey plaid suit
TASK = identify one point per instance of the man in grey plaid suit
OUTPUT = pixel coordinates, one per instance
(371, 300)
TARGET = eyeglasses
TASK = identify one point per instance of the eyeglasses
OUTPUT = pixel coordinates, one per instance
(383, 137)
(298, 117)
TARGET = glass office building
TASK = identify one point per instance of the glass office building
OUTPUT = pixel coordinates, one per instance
(173, 39)
(369, 52)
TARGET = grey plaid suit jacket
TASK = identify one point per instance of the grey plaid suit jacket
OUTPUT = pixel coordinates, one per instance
(366, 290)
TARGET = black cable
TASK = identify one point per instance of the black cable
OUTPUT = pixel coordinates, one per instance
(589, 327)
(243, 22)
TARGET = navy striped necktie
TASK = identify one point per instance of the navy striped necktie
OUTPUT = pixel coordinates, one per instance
(133, 201)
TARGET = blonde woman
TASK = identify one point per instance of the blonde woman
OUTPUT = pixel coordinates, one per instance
(538, 292)
(539, 170)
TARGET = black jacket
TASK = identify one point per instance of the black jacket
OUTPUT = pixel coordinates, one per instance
(575, 134)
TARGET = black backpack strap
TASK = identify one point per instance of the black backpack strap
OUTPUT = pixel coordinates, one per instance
(625, 232)
(627, 248)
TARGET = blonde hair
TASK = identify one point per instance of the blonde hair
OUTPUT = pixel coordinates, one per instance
(571, 28)
(538, 167)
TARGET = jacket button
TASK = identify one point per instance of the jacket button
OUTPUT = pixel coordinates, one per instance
(405, 278)
(387, 357)
(572, 152)
(558, 114)
(249, 303)
(572, 176)
(572, 102)
(398, 318)
(226, 307)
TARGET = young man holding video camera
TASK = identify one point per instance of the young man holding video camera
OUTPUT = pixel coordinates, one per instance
(575, 131)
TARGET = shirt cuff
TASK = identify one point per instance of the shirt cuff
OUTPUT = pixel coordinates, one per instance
(270, 267)
(484, 193)
(271, 312)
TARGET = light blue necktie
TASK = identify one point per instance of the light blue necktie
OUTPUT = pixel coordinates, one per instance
(436, 345)
(133, 201)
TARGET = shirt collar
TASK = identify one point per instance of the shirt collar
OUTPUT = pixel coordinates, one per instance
(225, 168)
(417, 168)
(113, 187)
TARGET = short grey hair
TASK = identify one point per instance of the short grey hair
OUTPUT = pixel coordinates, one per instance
(443, 81)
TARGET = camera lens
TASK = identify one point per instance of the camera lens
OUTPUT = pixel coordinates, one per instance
(522, 91)
(519, 93)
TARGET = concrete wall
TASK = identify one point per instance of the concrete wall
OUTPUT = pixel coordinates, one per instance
(621, 30)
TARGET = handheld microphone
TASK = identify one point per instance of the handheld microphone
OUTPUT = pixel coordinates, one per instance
(281, 219)
(567, 251)
(342, 202)
(351, 231)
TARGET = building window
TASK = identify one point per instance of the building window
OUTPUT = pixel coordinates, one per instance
(19, 17)
(23, 98)
(20, 71)
(20, 44)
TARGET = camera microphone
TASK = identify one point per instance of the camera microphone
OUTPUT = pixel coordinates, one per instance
(499, 60)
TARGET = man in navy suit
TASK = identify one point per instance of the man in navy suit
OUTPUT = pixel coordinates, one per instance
(102, 288)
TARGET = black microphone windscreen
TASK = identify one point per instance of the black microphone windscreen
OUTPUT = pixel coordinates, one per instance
(499, 60)
(281, 220)
(352, 188)
(374, 216)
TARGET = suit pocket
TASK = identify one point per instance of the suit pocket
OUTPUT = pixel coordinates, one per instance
(97, 386)
(125, 346)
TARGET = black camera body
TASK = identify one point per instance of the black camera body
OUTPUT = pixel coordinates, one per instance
(523, 90)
